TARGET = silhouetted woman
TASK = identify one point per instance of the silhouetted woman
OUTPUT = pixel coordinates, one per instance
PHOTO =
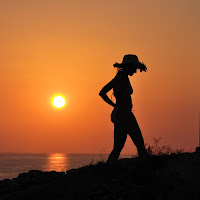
(122, 116)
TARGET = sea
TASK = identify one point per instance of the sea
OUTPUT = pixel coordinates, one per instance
(12, 164)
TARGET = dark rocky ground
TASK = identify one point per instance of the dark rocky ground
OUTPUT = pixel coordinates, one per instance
(175, 176)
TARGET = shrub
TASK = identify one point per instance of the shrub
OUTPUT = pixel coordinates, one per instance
(156, 149)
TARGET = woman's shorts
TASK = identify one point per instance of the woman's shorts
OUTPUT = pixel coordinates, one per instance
(123, 118)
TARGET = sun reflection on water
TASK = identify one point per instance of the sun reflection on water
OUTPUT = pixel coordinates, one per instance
(57, 162)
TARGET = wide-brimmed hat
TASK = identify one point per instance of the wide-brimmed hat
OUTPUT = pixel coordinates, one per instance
(130, 60)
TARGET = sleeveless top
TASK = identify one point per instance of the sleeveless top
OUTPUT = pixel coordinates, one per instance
(122, 91)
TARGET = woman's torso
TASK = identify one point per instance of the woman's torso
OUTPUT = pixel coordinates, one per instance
(122, 91)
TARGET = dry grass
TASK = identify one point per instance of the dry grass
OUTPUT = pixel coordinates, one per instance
(156, 149)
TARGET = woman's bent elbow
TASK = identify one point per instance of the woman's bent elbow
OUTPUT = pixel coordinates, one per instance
(100, 93)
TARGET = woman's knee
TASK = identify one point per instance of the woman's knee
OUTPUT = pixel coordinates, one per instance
(137, 138)
(118, 148)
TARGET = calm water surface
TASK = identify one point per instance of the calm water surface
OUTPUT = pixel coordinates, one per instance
(11, 165)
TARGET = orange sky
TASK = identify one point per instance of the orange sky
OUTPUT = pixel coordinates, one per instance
(68, 47)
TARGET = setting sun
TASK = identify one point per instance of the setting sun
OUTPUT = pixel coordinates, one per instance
(58, 101)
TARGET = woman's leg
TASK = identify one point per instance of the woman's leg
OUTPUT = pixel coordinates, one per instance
(136, 136)
(119, 140)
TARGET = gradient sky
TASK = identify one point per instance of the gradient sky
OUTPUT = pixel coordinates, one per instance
(68, 47)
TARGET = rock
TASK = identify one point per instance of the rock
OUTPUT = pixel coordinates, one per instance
(155, 177)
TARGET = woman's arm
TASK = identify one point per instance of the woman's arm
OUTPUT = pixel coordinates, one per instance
(106, 89)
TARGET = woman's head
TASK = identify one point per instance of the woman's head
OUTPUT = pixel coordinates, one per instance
(130, 64)
(130, 70)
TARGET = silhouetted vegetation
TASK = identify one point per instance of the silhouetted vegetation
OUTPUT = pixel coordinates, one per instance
(156, 149)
